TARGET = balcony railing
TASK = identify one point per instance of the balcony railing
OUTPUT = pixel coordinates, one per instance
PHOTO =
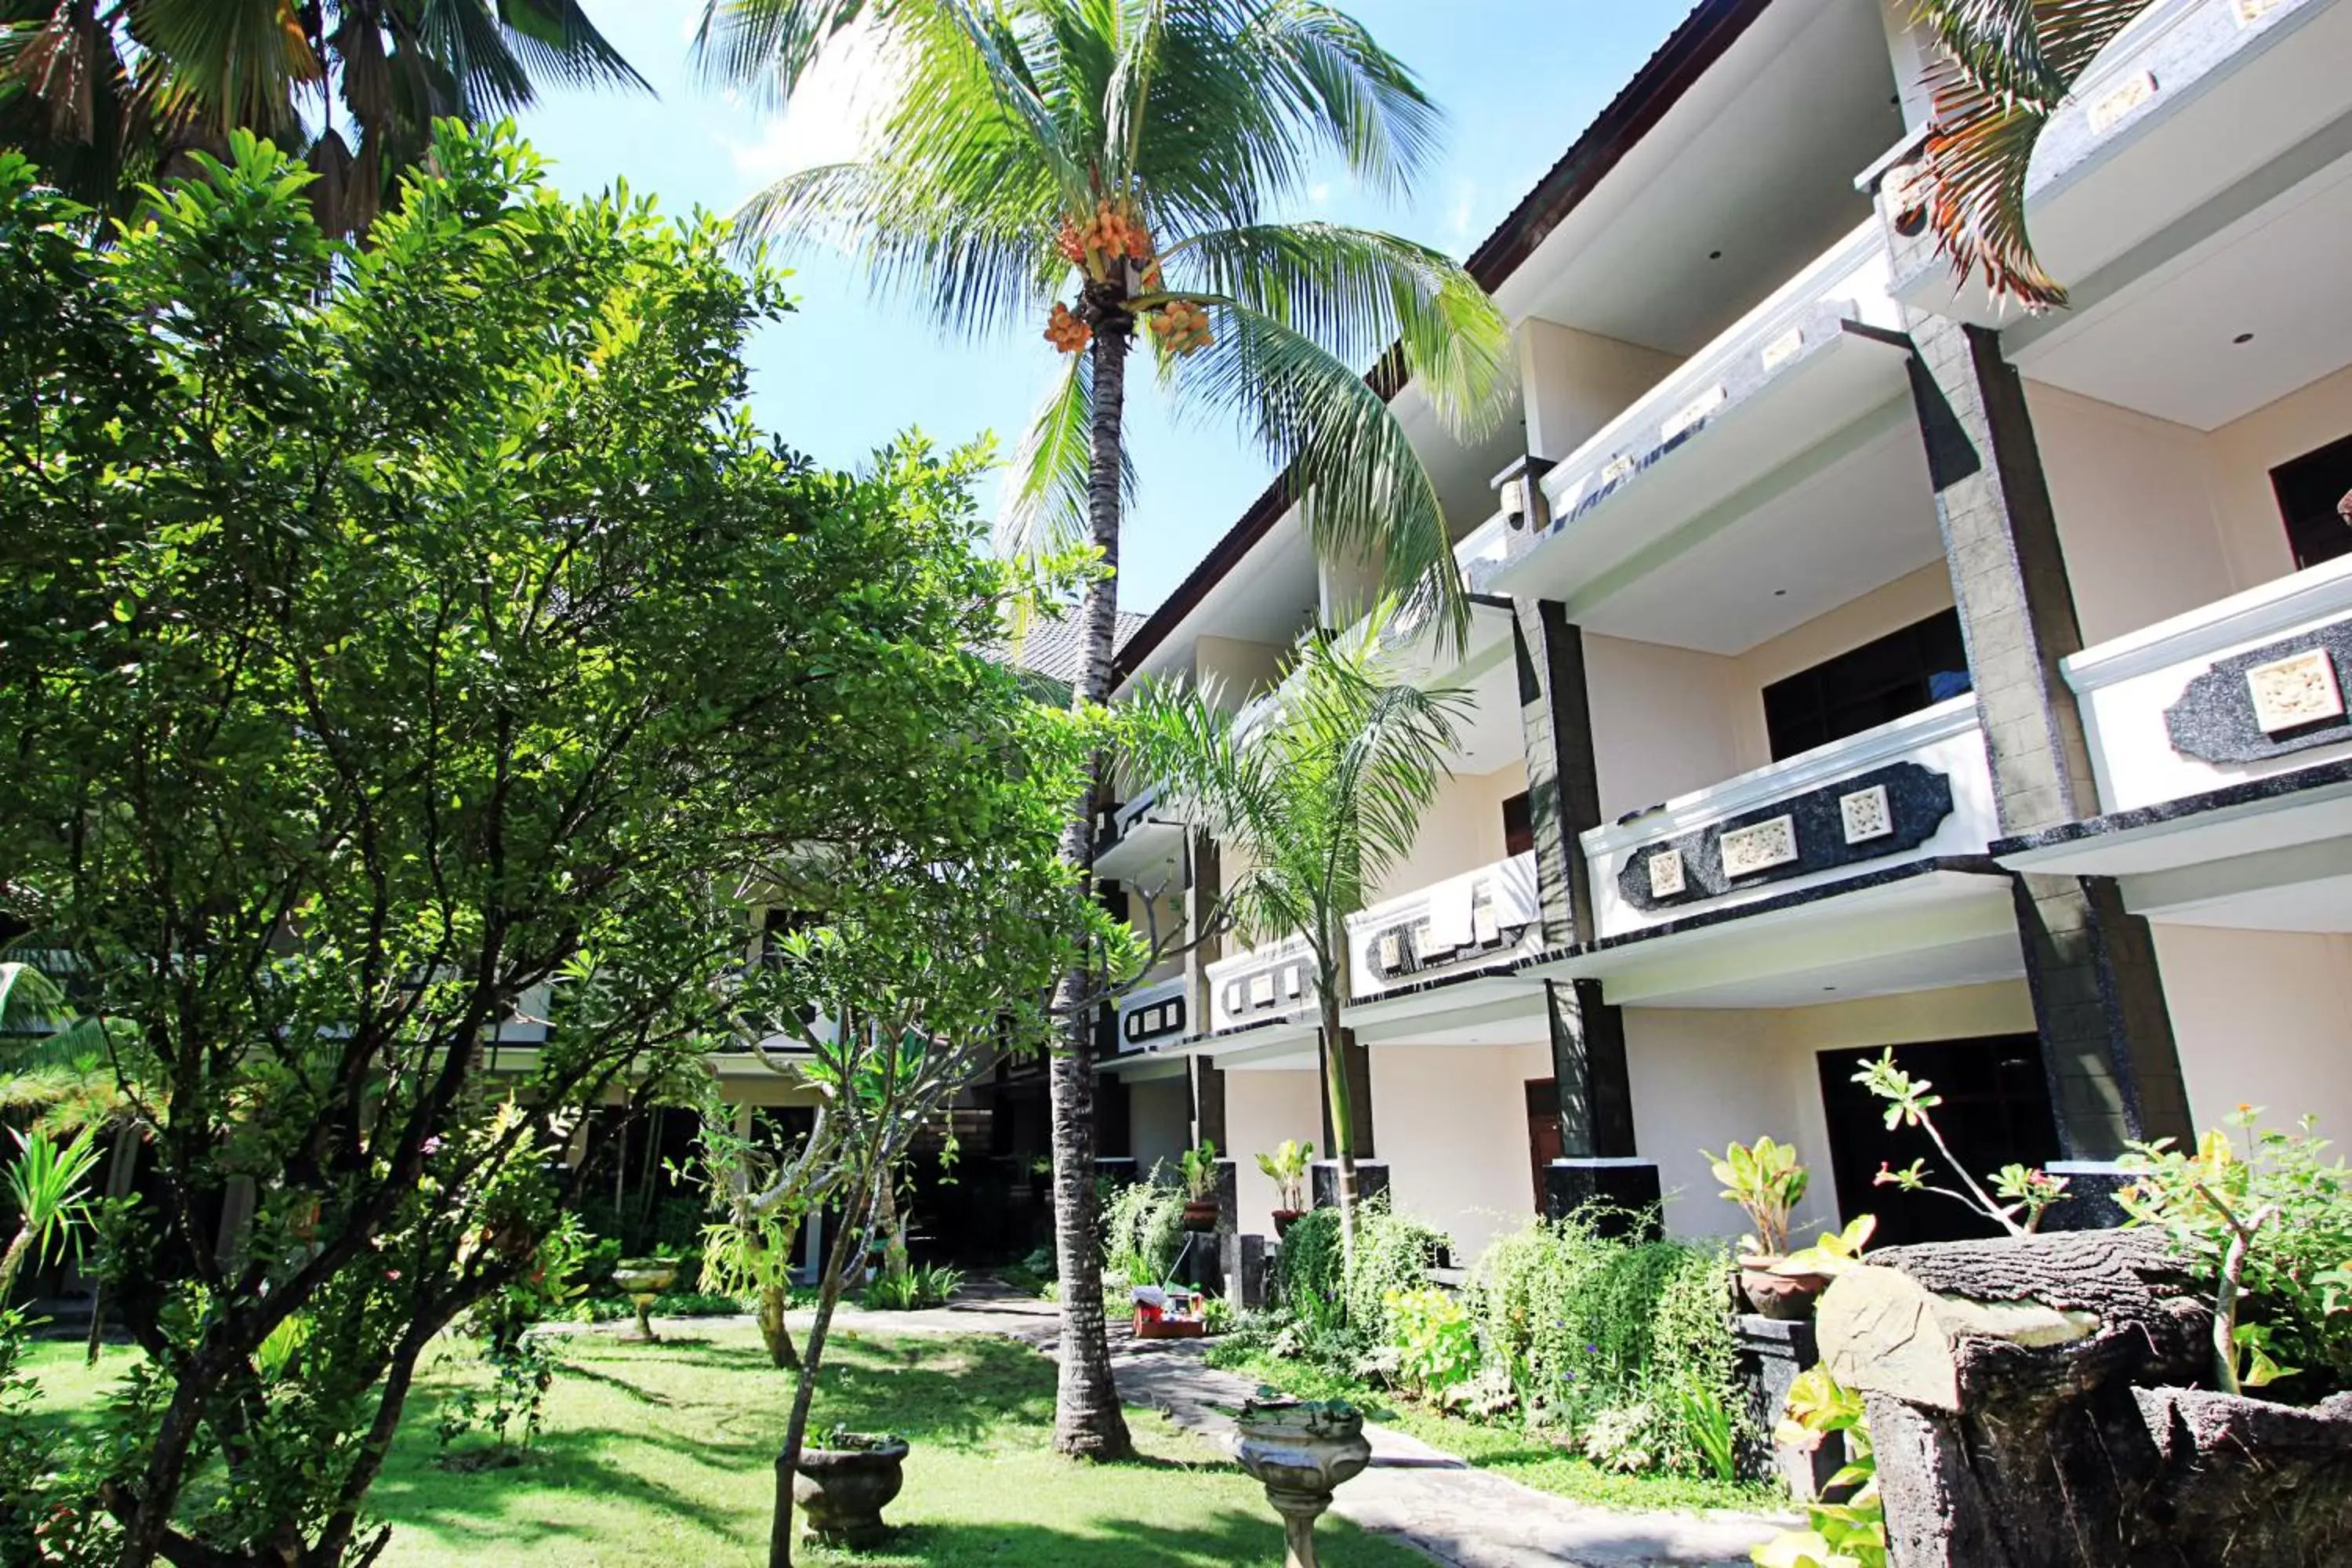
(1152, 1015)
(2248, 685)
(1914, 789)
(1274, 981)
(1479, 917)
(1630, 484)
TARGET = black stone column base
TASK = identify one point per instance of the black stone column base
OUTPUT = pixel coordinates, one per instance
(1246, 1271)
(1771, 1353)
(1624, 1193)
(1372, 1178)
(2090, 1205)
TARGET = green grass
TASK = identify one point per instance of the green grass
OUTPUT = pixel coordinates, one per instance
(665, 1454)
(1511, 1450)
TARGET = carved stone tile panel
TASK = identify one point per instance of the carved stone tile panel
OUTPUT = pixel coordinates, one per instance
(2271, 701)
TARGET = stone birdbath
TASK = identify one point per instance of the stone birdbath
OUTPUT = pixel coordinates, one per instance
(645, 1279)
(1300, 1450)
(842, 1487)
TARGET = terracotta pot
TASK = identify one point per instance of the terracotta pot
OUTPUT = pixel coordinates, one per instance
(1284, 1219)
(1786, 1297)
(841, 1491)
(1201, 1215)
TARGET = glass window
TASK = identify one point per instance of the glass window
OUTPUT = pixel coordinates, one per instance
(1518, 826)
(1868, 686)
(2312, 490)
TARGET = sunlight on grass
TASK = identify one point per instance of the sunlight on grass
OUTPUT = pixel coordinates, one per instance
(664, 1455)
(1507, 1449)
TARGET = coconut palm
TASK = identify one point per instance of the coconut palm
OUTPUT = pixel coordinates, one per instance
(107, 93)
(1099, 168)
(2001, 69)
(1320, 788)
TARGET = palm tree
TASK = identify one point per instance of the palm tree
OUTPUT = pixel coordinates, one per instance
(1320, 787)
(1098, 166)
(106, 94)
(2001, 69)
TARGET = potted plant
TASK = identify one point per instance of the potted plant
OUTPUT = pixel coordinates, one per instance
(1288, 1168)
(1767, 1182)
(1200, 1187)
(842, 1485)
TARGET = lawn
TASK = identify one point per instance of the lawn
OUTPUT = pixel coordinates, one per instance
(1507, 1449)
(665, 1454)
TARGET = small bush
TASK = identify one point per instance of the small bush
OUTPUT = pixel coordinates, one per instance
(913, 1290)
(1143, 1231)
(1394, 1253)
(1434, 1345)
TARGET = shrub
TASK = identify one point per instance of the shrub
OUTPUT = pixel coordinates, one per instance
(913, 1289)
(1435, 1348)
(1143, 1230)
(1394, 1252)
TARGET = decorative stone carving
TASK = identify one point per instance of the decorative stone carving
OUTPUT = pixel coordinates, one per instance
(1866, 814)
(2110, 108)
(2268, 701)
(1768, 844)
(1784, 348)
(1261, 990)
(1917, 800)
(1666, 873)
(2296, 690)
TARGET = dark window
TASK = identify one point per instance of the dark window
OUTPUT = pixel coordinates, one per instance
(1996, 1112)
(1868, 686)
(2309, 490)
(1518, 826)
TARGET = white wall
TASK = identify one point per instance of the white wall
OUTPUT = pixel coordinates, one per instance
(1461, 830)
(1160, 1121)
(1263, 1107)
(1234, 670)
(1576, 382)
(2155, 518)
(2262, 1018)
(1451, 1123)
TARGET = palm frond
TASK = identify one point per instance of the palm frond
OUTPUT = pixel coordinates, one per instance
(555, 41)
(1045, 490)
(1367, 494)
(1994, 85)
(1359, 293)
(1359, 99)
(764, 48)
(231, 62)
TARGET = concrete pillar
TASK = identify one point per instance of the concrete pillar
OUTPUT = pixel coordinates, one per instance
(1208, 1084)
(1598, 1162)
(2098, 999)
(1203, 889)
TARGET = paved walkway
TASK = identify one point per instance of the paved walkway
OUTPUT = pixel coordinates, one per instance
(1458, 1515)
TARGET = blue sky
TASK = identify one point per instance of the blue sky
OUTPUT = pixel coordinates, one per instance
(1519, 78)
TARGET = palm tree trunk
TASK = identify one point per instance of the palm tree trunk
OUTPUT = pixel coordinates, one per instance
(1087, 1423)
(1343, 1117)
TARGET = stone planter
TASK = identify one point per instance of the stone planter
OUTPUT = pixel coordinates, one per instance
(1200, 1215)
(1300, 1452)
(841, 1491)
(645, 1279)
(1284, 1219)
(1787, 1298)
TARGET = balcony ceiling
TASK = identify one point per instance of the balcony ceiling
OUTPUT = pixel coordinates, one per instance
(1857, 520)
(2166, 343)
(1746, 179)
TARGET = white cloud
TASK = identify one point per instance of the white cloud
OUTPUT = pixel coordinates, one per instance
(826, 122)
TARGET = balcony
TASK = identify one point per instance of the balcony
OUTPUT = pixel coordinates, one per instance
(1476, 919)
(2200, 111)
(1140, 843)
(1273, 983)
(1151, 1015)
(1812, 361)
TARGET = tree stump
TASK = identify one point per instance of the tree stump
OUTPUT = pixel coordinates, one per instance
(2032, 1405)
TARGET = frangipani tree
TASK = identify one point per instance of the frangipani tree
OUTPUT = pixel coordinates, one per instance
(1319, 788)
(1094, 168)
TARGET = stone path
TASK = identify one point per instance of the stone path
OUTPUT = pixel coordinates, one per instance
(1460, 1516)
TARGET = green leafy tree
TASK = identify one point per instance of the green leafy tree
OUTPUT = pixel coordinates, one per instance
(1320, 788)
(1099, 168)
(109, 93)
(404, 643)
(2001, 69)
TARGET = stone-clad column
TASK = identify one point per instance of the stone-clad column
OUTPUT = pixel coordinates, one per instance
(2098, 999)
(1599, 1160)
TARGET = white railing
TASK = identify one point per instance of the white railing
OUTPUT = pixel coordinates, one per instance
(1853, 270)
(1778, 827)
(1150, 1014)
(1483, 546)
(2128, 684)
(1478, 917)
(1273, 981)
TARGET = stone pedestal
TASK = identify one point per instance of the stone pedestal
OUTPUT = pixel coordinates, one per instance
(1245, 1269)
(1371, 1177)
(1771, 1353)
(1625, 1192)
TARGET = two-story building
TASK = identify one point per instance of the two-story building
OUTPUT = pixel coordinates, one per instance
(1858, 663)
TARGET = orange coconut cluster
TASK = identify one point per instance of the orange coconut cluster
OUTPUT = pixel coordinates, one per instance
(1103, 240)
(1181, 326)
(1065, 331)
